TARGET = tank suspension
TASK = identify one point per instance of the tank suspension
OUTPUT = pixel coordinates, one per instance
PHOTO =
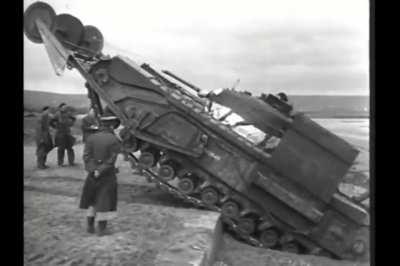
(247, 224)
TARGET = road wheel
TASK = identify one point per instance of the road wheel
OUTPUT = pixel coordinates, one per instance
(186, 185)
(230, 209)
(246, 225)
(209, 196)
(269, 238)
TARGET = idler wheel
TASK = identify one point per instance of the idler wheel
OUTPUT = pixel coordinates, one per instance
(186, 185)
(269, 238)
(166, 172)
(146, 160)
(209, 196)
(92, 41)
(69, 30)
(291, 247)
(246, 225)
(38, 10)
(358, 247)
(230, 209)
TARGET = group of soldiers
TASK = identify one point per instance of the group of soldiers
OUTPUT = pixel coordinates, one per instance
(99, 195)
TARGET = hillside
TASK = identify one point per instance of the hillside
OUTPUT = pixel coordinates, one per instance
(320, 106)
(35, 100)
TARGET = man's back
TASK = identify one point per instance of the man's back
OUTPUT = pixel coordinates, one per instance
(100, 148)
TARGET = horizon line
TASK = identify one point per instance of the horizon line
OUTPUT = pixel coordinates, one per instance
(305, 94)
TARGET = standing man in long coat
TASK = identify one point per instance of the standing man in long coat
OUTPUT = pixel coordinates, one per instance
(99, 194)
(62, 122)
(44, 142)
(89, 125)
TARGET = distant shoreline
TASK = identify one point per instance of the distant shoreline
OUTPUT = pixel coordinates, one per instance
(28, 113)
(340, 116)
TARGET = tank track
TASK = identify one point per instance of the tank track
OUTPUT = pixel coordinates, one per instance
(232, 224)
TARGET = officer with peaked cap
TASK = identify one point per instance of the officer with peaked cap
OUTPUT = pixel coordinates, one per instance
(99, 194)
(44, 142)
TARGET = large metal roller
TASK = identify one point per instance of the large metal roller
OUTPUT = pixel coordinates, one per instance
(69, 30)
(38, 10)
(92, 41)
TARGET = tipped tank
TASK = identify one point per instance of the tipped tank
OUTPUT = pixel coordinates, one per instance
(271, 171)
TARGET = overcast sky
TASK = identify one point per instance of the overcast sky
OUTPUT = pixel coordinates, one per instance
(300, 47)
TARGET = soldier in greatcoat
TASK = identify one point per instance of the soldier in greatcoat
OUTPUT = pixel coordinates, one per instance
(62, 122)
(99, 194)
(44, 142)
(89, 125)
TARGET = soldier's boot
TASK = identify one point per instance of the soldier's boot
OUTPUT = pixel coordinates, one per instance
(90, 225)
(102, 228)
(71, 156)
(60, 156)
(44, 160)
(41, 162)
(40, 166)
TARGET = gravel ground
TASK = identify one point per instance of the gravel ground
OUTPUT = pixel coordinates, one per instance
(54, 230)
(54, 233)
